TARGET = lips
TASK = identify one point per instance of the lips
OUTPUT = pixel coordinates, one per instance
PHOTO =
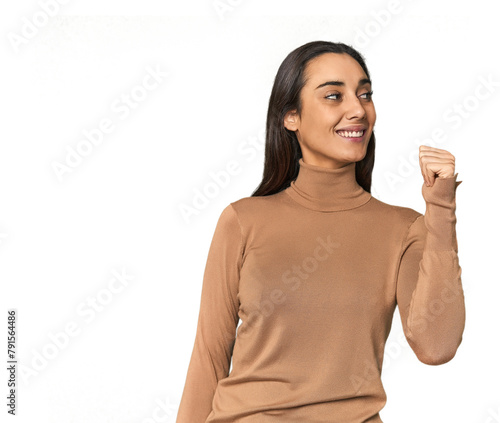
(352, 128)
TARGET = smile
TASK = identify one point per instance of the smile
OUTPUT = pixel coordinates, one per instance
(351, 134)
(355, 136)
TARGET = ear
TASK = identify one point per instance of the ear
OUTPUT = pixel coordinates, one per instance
(291, 120)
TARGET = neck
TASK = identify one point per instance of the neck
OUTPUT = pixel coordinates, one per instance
(325, 189)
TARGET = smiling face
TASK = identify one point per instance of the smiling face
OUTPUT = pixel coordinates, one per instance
(335, 96)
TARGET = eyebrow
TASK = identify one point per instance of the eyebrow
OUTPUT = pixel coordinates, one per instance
(362, 81)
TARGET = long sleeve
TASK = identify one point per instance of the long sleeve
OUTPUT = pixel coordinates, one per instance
(429, 287)
(217, 320)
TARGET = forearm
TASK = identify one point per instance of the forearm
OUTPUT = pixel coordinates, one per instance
(217, 321)
(436, 315)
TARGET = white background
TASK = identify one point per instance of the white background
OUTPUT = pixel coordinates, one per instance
(120, 207)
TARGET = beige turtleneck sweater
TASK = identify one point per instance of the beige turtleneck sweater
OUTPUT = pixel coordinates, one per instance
(315, 272)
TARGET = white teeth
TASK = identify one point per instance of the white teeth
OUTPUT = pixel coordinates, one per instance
(351, 134)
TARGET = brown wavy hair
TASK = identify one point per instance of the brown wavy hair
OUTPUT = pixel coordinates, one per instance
(282, 149)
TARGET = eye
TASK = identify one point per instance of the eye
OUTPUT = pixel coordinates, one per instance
(329, 95)
(369, 94)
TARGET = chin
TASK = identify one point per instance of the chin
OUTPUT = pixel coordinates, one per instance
(355, 157)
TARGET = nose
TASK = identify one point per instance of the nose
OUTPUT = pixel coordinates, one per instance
(354, 108)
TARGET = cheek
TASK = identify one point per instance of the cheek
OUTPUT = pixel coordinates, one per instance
(327, 119)
(371, 113)
(317, 121)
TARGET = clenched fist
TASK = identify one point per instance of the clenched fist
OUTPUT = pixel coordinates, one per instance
(435, 162)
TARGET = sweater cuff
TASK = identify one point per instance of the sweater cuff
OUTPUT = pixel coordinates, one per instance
(440, 218)
(443, 190)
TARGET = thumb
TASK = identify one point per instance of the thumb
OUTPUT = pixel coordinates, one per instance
(431, 176)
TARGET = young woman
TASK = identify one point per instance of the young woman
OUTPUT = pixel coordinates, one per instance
(314, 266)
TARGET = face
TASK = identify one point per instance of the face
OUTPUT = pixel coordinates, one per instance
(335, 96)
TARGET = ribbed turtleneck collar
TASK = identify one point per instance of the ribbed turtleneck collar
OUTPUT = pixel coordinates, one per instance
(325, 189)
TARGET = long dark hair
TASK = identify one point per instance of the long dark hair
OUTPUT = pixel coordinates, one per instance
(282, 150)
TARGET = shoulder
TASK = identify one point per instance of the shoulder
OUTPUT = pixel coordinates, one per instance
(261, 206)
(253, 213)
(397, 224)
(246, 217)
(394, 214)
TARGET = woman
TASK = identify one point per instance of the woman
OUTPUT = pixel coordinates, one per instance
(314, 266)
